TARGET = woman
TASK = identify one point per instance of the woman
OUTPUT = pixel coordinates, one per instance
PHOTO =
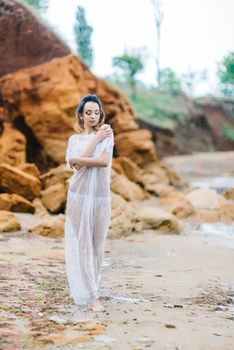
(88, 210)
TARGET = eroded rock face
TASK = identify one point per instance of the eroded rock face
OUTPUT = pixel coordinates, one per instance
(12, 145)
(43, 99)
(23, 36)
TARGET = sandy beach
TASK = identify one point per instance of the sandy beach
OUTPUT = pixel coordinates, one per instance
(160, 291)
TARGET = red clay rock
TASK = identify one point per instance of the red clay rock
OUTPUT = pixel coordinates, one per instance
(8, 222)
(127, 189)
(54, 197)
(12, 146)
(46, 96)
(14, 202)
(30, 168)
(24, 40)
(14, 180)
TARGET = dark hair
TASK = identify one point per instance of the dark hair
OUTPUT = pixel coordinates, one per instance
(79, 125)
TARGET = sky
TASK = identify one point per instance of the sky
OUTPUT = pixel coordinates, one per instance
(195, 34)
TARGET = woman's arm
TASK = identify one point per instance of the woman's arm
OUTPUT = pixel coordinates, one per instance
(97, 162)
(100, 136)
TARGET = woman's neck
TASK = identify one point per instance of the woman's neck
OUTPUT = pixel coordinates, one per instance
(88, 131)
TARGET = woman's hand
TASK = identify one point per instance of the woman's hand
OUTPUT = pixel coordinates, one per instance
(104, 131)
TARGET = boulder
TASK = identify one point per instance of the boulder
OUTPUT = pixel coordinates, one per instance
(182, 209)
(52, 227)
(8, 222)
(158, 219)
(127, 189)
(12, 146)
(124, 218)
(205, 198)
(40, 209)
(30, 168)
(14, 202)
(154, 173)
(136, 145)
(60, 174)
(125, 166)
(174, 178)
(229, 193)
(54, 197)
(160, 190)
(14, 180)
(224, 213)
(176, 203)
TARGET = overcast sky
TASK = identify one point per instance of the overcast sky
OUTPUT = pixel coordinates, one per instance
(196, 34)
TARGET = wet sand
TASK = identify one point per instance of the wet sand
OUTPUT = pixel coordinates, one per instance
(159, 291)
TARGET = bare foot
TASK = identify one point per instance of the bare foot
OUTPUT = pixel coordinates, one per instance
(97, 306)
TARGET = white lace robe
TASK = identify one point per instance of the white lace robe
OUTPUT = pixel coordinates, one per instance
(88, 214)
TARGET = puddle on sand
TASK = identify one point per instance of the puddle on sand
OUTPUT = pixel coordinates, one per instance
(217, 228)
(211, 228)
(219, 183)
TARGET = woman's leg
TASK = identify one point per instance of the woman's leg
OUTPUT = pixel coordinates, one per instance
(101, 224)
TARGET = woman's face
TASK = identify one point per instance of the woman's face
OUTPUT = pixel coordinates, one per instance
(91, 114)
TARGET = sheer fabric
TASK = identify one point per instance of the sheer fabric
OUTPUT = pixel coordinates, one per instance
(87, 219)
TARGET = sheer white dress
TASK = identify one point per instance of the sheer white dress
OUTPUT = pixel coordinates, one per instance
(88, 214)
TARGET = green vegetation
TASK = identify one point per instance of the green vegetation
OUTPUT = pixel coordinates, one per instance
(159, 107)
(226, 74)
(83, 32)
(39, 5)
(130, 65)
(228, 132)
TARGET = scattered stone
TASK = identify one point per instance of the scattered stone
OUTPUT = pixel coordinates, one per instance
(30, 168)
(229, 193)
(155, 218)
(223, 214)
(170, 325)
(54, 197)
(8, 222)
(205, 198)
(40, 209)
(50, 227)
(14, 180)
(16, 203)
(124, 218)
(127, 189)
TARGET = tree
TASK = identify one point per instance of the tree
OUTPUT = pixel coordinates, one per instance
(83, 32)
(169, 81)
(158, 16)
(40, 5)
(131, 64)
(226, 74)
(192, 78)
